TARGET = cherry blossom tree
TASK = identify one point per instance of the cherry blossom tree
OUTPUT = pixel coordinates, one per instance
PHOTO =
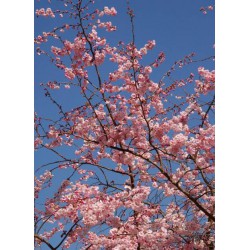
(131, 166)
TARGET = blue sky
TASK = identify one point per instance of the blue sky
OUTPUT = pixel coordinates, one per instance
(178, 27)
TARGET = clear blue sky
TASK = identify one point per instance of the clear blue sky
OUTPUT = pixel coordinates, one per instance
(178, 27)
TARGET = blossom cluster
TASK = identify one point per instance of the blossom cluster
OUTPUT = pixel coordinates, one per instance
(46, 13)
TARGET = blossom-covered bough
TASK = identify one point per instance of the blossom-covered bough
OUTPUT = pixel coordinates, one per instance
(134, 162)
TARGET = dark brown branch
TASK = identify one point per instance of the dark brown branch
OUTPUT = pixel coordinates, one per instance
(44, 241)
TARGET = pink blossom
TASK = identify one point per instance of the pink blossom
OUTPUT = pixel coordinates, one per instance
(46, 13)
(111, 12)
(150, 45)
(69, 73)
(210, 7)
